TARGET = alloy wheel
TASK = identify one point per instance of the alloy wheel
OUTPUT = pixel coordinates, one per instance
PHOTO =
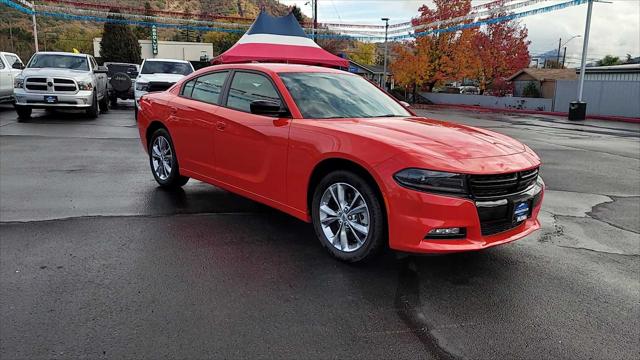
(162, 157)
(344, 217)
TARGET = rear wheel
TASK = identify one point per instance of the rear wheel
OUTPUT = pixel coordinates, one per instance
(347, 216)
(104, 104)
(114, 101)
(24, 112)
(163, 160)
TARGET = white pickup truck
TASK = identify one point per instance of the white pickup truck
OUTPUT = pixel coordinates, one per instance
(159, 75)
(10, 67)
(59, 80)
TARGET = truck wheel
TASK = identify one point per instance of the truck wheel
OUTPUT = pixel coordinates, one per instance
(24, 112)
(92, 112)
(104, 104)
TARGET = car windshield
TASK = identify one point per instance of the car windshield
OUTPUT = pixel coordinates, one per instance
(59, 61)
(330, 95)
(166, 67)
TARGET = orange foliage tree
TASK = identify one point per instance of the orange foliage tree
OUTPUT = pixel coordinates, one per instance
(439, 56)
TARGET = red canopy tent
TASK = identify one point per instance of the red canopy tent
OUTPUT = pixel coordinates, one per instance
(278, 39)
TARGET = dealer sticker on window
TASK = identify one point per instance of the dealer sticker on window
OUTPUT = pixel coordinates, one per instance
(521, 211)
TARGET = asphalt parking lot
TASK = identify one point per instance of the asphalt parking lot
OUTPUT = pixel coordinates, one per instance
(97, 262)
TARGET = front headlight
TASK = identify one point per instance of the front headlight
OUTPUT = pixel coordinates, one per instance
(432, 181)
(85, 85)
(18, 82)
(142, 86)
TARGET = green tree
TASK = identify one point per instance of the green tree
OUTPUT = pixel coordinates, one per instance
(608, 61)
(118, 43)
(297, 13)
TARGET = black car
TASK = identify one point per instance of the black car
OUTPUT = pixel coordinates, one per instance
(121, 82)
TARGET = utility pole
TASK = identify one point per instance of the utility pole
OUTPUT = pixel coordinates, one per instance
(558, 57)
(315, 20)
(35, 30)
(564, 56)
(384, 68)
(578, 109)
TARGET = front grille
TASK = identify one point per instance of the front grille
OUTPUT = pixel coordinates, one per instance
(487, 186)
(498, 227)
(57, 84)
(67, 85)
(159, 86)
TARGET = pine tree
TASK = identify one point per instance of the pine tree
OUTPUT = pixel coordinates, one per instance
(118, 43)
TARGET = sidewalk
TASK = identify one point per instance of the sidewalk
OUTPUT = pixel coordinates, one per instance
(522, 111)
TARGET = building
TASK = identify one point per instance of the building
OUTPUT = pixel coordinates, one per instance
(190, 51)
(372, 73)
(543, 79)
(626, 72)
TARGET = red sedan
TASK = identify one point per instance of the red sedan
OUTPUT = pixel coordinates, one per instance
(329, 148)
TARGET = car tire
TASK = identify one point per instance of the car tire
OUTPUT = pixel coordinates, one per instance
(24, 112)
(360, 209)
(114, 102)
(162, 155)
(93, 111)
(104, 104)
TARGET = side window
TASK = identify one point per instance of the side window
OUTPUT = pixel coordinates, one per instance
(208, 87)
(247, 87)
(11, 59)
(94, 65)
(188, 88)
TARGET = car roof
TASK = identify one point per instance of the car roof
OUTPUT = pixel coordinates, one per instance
(61, 53)
(274, 68)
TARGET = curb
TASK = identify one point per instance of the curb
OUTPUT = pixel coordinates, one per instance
(523, 111)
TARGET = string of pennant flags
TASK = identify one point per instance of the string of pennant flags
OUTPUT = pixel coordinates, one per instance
(328, 32)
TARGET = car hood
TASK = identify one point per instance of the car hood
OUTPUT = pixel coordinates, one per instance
(55, 72)
(171, 78)
(433, 138)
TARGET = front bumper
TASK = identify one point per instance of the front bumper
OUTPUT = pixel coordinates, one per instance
(78, 100)
(412, 214)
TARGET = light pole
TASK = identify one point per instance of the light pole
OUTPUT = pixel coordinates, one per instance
(384, 67)
(578, 109)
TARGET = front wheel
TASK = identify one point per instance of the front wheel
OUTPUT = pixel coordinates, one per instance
(93, 111)
(24, 112)
(104, 104)
(163, 160)
(348, 217)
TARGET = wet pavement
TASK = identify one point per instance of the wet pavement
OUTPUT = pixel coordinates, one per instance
(97, 262)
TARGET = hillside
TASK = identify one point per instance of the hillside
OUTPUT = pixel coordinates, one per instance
(55, 34)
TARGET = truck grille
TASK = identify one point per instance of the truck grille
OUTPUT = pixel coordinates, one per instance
(487, 186)
(50, 85)
(159, 86)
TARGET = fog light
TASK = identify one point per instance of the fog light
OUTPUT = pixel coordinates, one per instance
(455, 232)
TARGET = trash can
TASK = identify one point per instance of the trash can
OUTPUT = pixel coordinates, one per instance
(577, 110)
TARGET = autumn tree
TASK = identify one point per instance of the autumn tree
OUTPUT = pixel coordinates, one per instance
(364, 53)
(410, 68)
(499, 51)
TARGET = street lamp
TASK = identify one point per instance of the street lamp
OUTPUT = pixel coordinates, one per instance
(384, 68)
(564, 54)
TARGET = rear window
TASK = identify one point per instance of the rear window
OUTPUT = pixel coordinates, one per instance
(122, 68)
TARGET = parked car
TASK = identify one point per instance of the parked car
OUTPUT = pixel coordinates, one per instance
(159, 75)
(121, 80)
(10, 67)
(329, 148)
(60, 80)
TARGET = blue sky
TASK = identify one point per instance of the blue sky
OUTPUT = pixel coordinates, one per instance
(615, 27)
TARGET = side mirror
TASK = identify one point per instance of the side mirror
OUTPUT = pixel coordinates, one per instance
(17, 65)
(405, 104)
(101, 70)
(268, 108)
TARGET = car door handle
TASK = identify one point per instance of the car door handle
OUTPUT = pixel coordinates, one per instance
(221, 125)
